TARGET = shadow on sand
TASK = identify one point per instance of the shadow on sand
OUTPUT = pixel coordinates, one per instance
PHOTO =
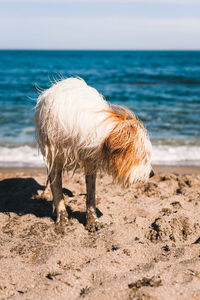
(21, 196)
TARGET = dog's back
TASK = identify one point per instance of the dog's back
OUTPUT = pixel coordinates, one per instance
(67, 120)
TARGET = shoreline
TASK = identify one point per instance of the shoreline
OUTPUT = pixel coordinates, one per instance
(181, 170)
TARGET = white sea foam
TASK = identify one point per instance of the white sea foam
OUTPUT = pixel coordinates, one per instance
(23, 156)
(26, 156)
(176, 155)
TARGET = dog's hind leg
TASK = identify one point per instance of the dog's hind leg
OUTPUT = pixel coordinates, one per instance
(55, 177)
(92, 222)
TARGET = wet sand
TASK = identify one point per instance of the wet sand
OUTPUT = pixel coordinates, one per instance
(149, 247)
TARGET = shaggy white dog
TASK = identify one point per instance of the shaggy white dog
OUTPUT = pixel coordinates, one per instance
(77, 128)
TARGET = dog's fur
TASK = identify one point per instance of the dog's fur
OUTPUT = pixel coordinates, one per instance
(77, 128)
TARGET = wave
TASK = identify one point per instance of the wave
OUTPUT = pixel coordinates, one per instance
(176, 155)
(163, 82)
(23, 156)
(26, 156)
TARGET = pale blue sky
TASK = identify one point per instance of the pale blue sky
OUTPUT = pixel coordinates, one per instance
(92, 24)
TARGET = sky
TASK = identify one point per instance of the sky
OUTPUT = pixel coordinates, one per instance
(95, 24)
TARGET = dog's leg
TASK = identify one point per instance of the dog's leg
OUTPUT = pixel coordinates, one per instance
(92, 223)
(47, 191)
(58, 198)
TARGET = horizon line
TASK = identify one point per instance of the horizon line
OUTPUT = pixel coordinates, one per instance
(54, 49)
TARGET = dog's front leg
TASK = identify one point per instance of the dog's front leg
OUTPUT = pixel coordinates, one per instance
(58, 198)
(92, 223)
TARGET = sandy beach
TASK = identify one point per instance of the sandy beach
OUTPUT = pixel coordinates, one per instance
(147, 249)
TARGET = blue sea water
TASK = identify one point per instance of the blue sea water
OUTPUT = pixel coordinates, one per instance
(161, 87)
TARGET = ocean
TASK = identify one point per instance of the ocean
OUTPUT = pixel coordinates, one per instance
(161, 87)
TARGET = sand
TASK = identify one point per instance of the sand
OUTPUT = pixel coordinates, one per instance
(149, 247)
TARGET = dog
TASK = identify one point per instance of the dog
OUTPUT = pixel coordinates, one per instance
(77, 128)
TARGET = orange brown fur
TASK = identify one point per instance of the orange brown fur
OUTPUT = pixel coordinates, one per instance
(121, 145)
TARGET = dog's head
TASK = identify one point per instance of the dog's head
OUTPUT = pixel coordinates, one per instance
(127, 149)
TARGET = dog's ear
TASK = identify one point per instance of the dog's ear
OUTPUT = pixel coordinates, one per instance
(123, 148)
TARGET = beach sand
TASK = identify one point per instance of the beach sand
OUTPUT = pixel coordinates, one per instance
(149, 247)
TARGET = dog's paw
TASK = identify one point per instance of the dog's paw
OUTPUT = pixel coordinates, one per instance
(93, 224)
(62, 222)
(93, 227)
